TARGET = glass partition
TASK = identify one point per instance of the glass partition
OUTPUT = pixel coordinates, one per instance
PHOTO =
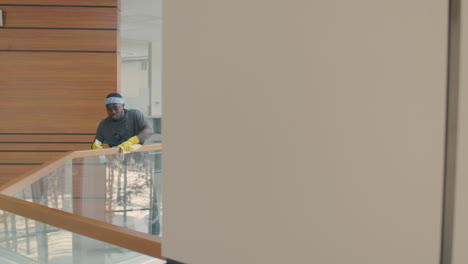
(25, 241)
(120, 189)
(140, 41)
(58, 213)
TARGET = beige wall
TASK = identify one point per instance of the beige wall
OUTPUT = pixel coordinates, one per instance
(304, 131)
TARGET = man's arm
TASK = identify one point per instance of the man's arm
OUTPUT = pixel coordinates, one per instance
(97, 144)
(141, 136)
(145, 133)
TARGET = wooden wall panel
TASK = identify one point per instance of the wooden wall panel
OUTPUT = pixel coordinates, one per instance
(86, 71)
(61, 2)
(45, 142)
(45, 138)
(55, 117)
(59, 17)
(33, 147)
(28, 157)
(59, 95)
(58, 91)
(10, 171)
(50, 39)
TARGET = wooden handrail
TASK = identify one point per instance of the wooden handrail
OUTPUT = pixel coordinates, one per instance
(109, 233)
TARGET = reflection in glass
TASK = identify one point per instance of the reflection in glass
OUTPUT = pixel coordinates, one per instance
(140, 42)
(25, 241)
(133, 191)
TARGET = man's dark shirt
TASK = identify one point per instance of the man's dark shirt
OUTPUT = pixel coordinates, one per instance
(115, 132)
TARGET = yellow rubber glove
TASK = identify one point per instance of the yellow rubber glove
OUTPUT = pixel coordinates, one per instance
(127, 144)
(97, 144)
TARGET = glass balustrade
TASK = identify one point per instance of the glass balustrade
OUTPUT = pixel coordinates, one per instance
(26, 241)
(121, 191)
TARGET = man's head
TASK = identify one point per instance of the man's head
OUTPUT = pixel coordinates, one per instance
(115, 106)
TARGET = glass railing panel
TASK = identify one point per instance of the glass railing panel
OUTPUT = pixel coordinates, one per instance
(25, 241)
(120, 189)
(53, 190)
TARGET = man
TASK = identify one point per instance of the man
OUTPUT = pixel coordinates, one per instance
(123, 127)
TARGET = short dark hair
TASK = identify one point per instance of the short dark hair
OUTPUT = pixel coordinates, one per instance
(114, 95)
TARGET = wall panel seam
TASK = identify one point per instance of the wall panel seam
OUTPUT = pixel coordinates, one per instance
(46, 134)
(43, 142)
(19, 163)
(59, 5)
(110, 29)
(63, 51)
(34, 150)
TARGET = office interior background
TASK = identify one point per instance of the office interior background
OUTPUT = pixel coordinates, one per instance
(293, 132)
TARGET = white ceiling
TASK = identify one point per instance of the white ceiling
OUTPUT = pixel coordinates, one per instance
(140, 23)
